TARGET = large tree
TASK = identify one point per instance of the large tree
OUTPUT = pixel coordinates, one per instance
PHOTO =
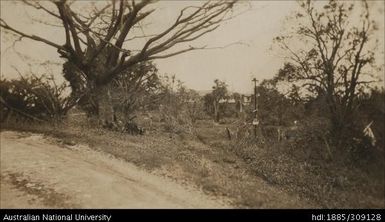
(334, 56)
(97, 41)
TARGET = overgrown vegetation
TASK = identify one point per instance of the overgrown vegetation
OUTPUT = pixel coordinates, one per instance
(294, 149)
(95, 51)
(336, 61)
(319, 129)
(34, 98)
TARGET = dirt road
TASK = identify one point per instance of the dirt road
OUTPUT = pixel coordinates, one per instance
(39, 172)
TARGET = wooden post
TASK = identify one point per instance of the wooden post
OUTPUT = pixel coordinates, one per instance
(228, 133)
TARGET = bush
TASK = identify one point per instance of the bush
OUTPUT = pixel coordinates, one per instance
(299, 166)
(32, 97)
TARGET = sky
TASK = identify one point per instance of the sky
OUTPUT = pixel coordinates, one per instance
(248, 38)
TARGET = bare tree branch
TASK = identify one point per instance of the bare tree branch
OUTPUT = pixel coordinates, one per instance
(4, 25)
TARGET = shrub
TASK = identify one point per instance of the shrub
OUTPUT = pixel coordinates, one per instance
(33, 97)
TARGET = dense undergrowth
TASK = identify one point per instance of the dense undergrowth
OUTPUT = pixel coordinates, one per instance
(249, 172)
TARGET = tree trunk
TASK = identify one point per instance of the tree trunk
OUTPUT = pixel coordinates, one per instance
(106, 110)
(94, 96)
(97, 103)
(216, 111)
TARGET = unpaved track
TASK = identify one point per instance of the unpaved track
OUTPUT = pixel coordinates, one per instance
(37, 172)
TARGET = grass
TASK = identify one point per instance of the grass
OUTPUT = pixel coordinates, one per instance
(331, 184)
(249, 176)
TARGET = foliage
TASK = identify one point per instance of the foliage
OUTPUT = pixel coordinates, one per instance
(96, 51)
(275, 108)
(134, 89)
(305, 160)
(304, 128)
(335, 59)
(211, 100)
(33, 96)
(179, 107)
(371, 110)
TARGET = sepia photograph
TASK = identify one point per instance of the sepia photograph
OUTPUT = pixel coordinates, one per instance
(193, 104)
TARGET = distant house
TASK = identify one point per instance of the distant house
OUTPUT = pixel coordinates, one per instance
(246, 99)
(228, 101)
(237, 104)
